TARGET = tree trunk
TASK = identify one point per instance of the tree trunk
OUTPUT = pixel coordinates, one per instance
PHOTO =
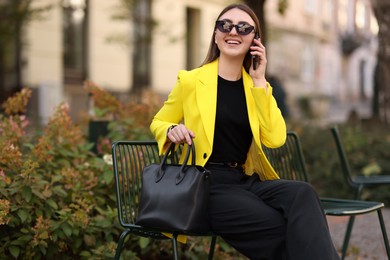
(381, 103)
(142, 43)
(18, 57)
(258, 8)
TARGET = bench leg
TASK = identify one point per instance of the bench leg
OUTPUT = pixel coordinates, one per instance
(212, 247)
(175, 247)
(347, 236)
(119, 247)
(384, 232)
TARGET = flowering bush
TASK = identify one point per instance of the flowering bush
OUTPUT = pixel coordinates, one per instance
(126, 121)
(56, 196)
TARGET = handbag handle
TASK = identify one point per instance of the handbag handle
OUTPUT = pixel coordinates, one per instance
(181, 175)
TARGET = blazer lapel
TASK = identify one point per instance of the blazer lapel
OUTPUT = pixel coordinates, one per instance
(251, 106)
(206, 97)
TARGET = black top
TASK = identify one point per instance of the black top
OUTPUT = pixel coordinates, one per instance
(233, 135)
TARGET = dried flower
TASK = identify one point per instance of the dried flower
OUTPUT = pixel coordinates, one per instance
(107, 158)
(4, 210)
(41, 231)
(18, 103)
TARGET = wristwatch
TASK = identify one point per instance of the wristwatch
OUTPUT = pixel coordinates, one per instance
(170, 128)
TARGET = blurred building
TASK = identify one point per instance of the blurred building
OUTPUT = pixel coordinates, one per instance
(324, 50)
(325, 53)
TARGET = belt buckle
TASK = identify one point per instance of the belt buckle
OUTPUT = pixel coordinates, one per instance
(233, 165)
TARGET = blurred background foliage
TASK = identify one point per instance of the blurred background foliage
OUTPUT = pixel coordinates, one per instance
(367, 147)
(57, 194)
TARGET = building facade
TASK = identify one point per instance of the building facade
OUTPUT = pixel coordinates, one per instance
(320, 49)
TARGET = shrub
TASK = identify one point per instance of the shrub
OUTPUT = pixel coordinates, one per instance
(57, 197)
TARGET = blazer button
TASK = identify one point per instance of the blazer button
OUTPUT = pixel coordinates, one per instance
(204, 155)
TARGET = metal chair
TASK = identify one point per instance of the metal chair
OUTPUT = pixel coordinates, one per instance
(289, 163)
(129, 159)
(356, 182)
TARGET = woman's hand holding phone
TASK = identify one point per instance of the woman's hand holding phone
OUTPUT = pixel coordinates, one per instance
(259, 62)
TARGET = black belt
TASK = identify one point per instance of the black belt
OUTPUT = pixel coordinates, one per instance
(226, 164)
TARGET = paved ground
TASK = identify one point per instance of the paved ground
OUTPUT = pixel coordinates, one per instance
(366, 239)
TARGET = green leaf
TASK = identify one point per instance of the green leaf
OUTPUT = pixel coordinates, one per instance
(108, 177)
(15, 251)
(371, 169)
(30, 146)
(64, 162)
(21, 240)
(22, 215)
(52, 203)
(27, 192)
(24, 230)
(58, 190)
(56, 178)
(38, 194)
(224, 246)
(78, 242)
(85, 254)
(76, 231)
(104, 223)
(67, 229)
(54, 237)
(43, 248)
(144, 242)
(87, 146)
(44, 235)
(90, 240)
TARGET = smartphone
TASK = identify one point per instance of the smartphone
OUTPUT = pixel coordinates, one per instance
(255, 58)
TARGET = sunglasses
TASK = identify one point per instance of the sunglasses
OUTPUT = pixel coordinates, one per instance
(241, 28)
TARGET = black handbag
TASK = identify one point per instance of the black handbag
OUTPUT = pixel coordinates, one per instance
(175, 197)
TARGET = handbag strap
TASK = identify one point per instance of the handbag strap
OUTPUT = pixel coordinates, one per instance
(180, 176)
(171, 150)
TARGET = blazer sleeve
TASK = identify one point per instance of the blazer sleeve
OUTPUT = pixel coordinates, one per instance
(272, 125)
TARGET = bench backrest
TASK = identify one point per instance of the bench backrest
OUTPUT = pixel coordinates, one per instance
(288, 160)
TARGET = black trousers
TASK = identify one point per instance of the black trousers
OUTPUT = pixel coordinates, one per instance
(276, 219)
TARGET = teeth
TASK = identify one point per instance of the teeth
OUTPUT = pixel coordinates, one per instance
(233, 42)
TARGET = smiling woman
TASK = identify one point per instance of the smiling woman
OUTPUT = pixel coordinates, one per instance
(230, 113)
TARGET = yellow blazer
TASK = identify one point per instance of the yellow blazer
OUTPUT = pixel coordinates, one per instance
(193, 101)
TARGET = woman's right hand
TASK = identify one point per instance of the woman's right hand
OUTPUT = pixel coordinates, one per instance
(180, 134)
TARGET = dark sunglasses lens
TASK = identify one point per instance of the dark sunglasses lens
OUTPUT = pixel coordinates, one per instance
(224, 26)
(244, 28)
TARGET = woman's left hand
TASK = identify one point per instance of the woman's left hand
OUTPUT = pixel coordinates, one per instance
(258, 75)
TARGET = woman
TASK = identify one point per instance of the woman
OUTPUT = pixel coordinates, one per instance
(227, 109)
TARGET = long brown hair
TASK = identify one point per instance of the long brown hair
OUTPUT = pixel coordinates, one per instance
(214, 52)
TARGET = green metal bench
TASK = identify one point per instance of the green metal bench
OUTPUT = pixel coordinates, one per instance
(289, 163)
(356, 182)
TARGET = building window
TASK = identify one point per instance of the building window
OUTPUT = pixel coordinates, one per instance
(310, 7)
(74, 40)
(307, 64)
(343, 11)
(362, 18)
(328, 14)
